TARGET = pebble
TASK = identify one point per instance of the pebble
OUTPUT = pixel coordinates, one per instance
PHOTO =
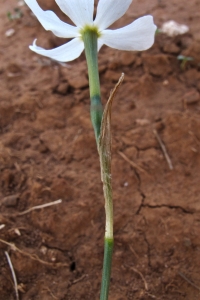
(142, 122)
(21, 3)
(17, 232)
(10, 32)
(165, 82)
(43, 250)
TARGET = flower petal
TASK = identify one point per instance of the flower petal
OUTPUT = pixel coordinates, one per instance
(137, 36)
(66, 52)
(108, 11)
(79, 11)
(99, 43)
(50, 21)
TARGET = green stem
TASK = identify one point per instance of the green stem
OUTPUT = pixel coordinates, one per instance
(90, 37)
(107, 263)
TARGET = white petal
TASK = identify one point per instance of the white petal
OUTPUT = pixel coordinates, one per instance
(137, 36)
(79, 11)
(99, 43)
(66, 52)
(50, 21)
(108, 11)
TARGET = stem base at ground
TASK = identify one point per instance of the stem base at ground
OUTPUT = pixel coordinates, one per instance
(107, 263)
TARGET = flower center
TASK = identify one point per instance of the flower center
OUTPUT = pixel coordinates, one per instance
(94, 30)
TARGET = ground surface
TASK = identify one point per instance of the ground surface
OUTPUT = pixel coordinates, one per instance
(48, 152)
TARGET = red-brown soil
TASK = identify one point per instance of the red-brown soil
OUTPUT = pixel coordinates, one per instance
(48, 152)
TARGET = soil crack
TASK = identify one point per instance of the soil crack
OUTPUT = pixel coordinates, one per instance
(143, 196)
(167, 206)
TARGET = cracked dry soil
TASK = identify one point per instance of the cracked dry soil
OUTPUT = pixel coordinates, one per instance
(48, 152)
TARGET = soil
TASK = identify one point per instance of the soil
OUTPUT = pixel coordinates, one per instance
(48, 152)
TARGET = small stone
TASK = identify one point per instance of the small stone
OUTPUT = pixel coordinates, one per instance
(17, 232)
(11, 200)
(142, 122)
(165, 82)
(10, 32)
(43, 250)
(194, 150)
(21, 3)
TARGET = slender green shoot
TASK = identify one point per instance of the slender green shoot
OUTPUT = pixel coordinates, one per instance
(184, 59)
(102, 129)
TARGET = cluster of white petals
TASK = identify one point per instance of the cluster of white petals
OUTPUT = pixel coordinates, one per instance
(136, 36)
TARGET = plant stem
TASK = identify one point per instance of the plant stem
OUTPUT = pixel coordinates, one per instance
(96, 108)
(107, 263)
(96, 111)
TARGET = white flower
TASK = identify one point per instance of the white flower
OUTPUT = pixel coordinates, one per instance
(136, 36)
